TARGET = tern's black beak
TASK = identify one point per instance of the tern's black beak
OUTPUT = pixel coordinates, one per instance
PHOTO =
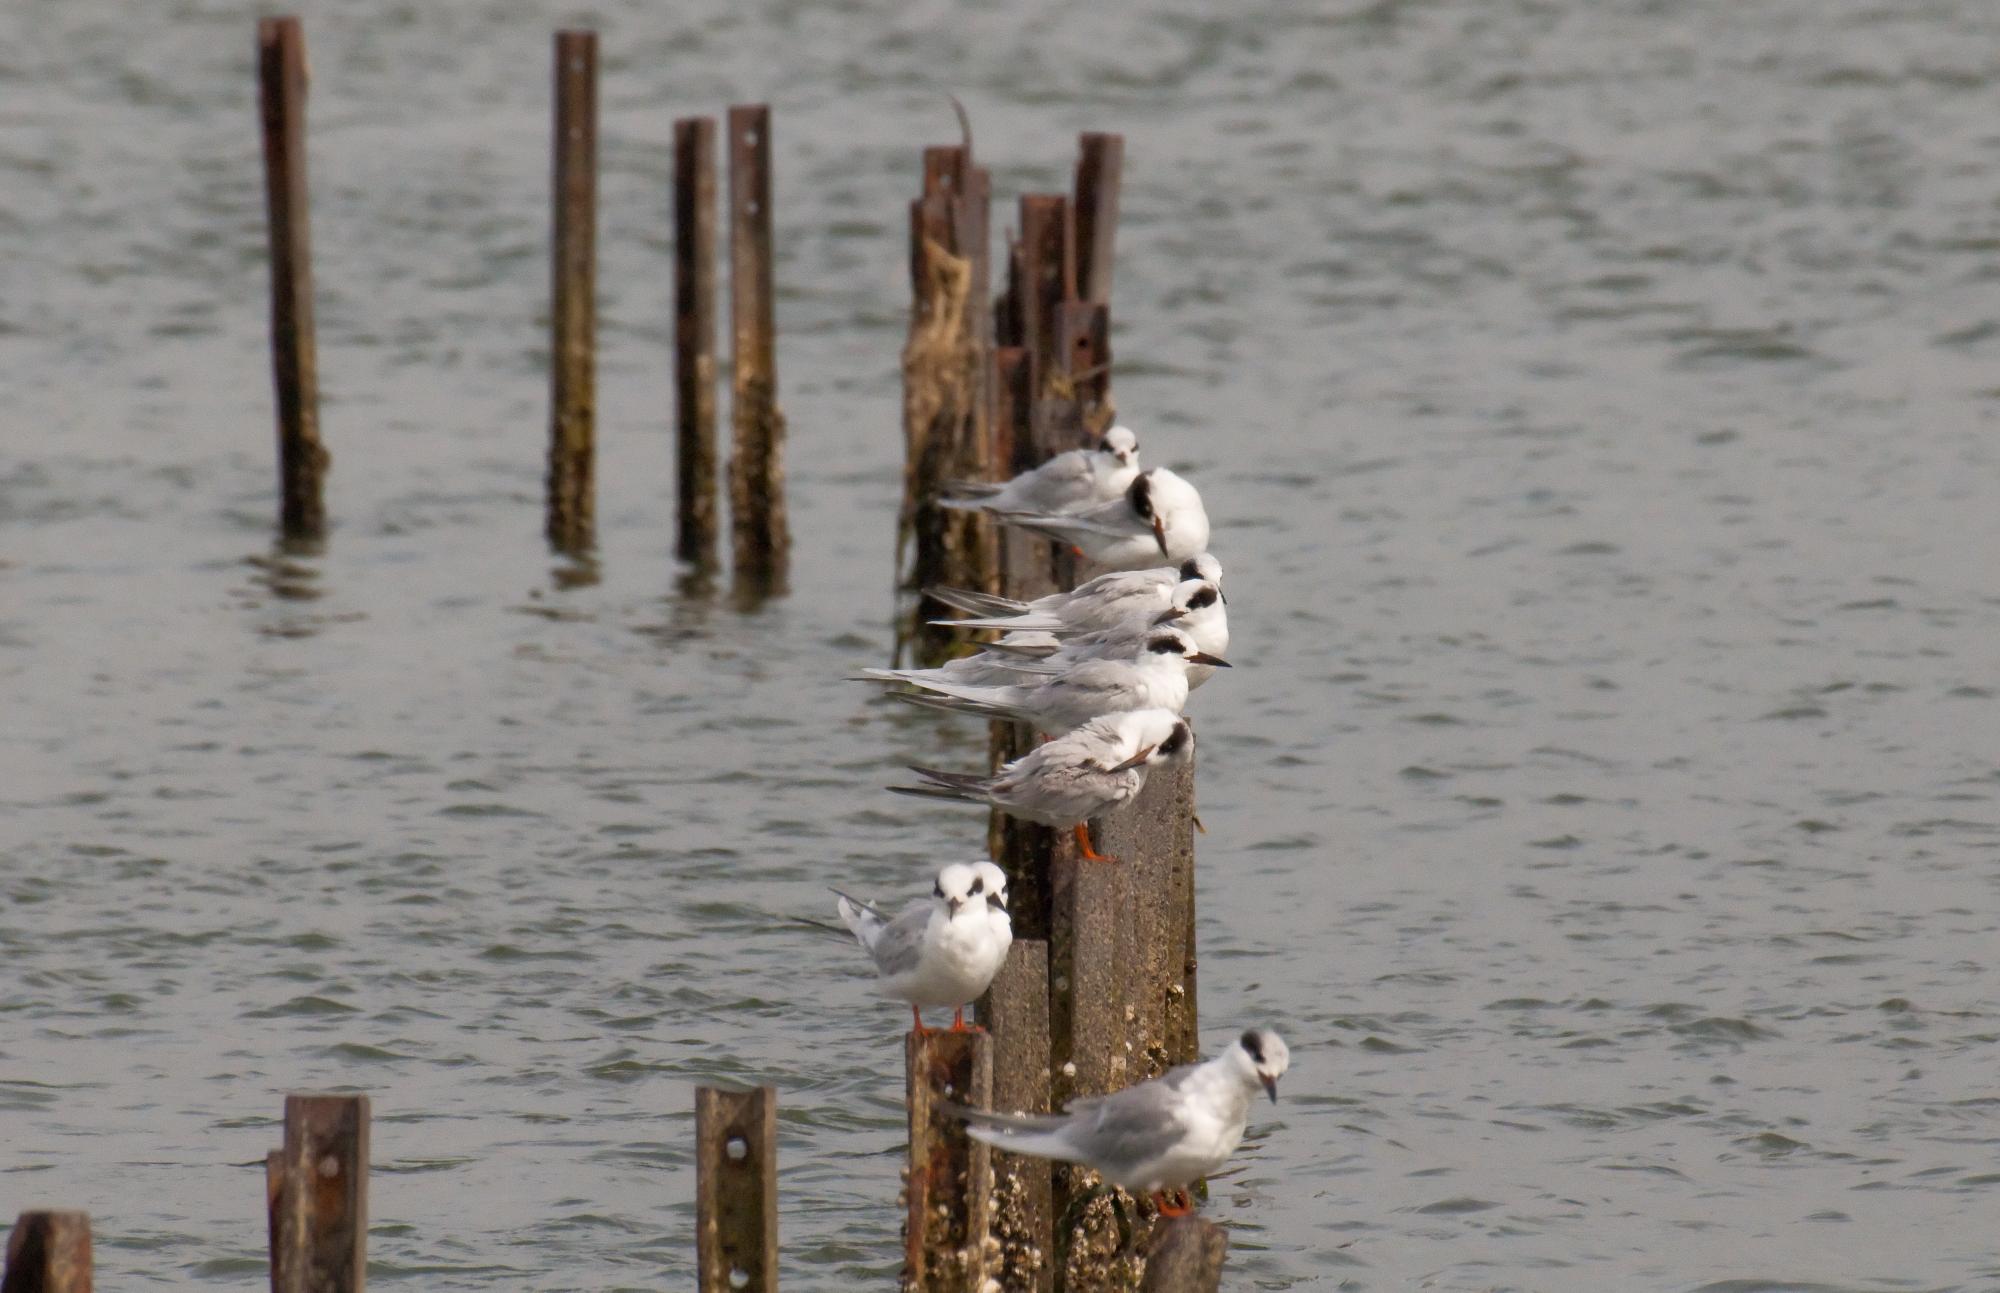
(1145, 752)
(1170, 614)
(1203, 657)
(953, 904)
(1271, 1085)
(1160, 534)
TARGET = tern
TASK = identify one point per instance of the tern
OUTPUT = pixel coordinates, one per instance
(1068, 482)
(942, 950)
(1159, 1135)
(1159, 515)
(1083, 774)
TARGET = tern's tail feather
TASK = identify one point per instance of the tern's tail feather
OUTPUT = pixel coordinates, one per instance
(950, 780)
(863, 920)
(1038, 1134)
(1029, 621)
(974, 602)
(957, 705)
(952, 793)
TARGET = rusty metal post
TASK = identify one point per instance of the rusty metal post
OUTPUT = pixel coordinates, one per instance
(1099, 168)
(694, 340)
(302, 459)
(762, 536)
(736, 1189)
(573, 311)
(319, 1218)
(1185, 1255)
(48, 1252)
(950, 1178)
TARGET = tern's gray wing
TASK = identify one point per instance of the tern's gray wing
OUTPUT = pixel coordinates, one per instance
(902, 940)
(1129, 1127)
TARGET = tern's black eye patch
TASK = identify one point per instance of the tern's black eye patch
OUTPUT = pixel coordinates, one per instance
(1189, 570)
(1165, 646)
(1174, 743)
(937, 891)
(1253, 1045)
(1203, 598)
(979, 885)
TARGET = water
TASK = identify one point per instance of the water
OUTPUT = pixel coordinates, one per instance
(1597, 402)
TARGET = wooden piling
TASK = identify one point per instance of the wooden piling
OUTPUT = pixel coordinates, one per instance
(319, 1208)
(736, 1189)
(573, 311)
(947, 401)
(761, 534)
(694, 340)
(302, 459)
(945, 1236)
(1185, 1255)
(1015, 1010)
(48, 1252)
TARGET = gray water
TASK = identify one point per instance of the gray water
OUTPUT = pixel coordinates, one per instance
(1597, 404)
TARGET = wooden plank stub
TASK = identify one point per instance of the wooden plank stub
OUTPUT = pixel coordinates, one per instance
(573, 296)
(302, 459)
(945, 1237)
(696, 522)
(319, 1216)
(758, 527)
(736, 1189)
(48, 1252)
(1185, 1256)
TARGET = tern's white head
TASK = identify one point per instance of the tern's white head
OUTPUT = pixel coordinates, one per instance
(1173, 510)
(1258, 1058)
(1203, 565)
(990, 882)
(959, 888)
(1193, 599)
(1122, 443)
(1167, 642)
(1152, 736)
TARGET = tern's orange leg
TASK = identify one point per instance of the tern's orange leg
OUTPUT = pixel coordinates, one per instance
(1083, 844)
(918, 1015)
(958, 1019)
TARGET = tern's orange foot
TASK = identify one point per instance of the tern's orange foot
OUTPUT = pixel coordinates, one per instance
(1083, 845)
(1174, 1203)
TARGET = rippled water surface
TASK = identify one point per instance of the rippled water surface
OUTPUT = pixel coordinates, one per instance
(1597, 402)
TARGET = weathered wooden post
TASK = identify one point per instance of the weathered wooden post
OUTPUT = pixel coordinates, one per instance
(694, 340)
(302, 459)
(573, 311)
(48, 1252)
(1185, 1255)
(947, 402)
(949, 1188)
(736, 1189)
(762, 536)
(317, 1195)
(1015, 1010)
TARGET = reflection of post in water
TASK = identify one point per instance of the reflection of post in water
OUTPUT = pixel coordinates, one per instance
(573, 310)
(302, 461)
(762, 537)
